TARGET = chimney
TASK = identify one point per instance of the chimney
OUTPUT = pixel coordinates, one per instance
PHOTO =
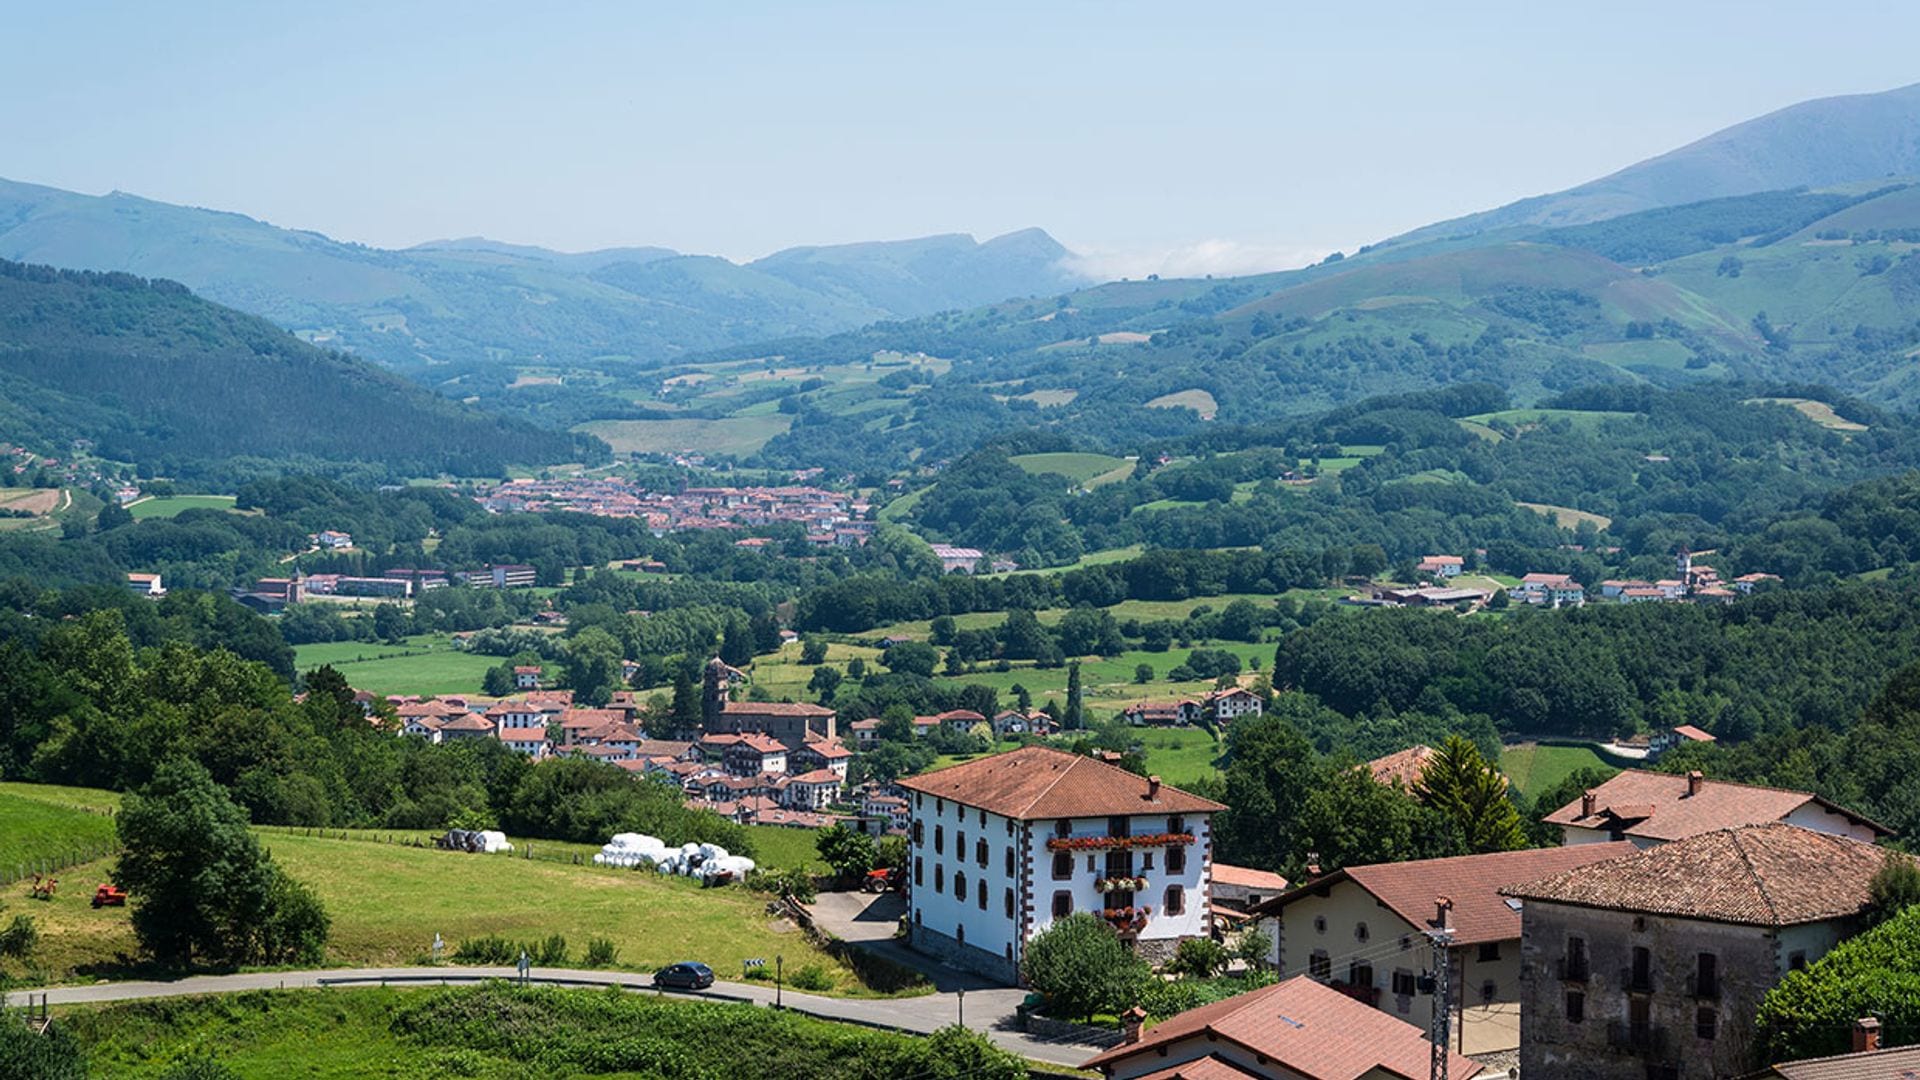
(1153, 788)
(1587, 801)
(1130, 1023)
(1695, 781)
(1442, 912)
(1866, 1035)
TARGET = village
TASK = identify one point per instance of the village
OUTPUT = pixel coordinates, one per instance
(830, 518)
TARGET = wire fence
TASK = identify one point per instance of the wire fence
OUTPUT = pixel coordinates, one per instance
(53, 863)
(534, 850)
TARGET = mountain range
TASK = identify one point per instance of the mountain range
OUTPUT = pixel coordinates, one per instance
(475, 301)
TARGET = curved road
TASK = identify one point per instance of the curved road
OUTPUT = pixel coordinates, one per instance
(989, 1011)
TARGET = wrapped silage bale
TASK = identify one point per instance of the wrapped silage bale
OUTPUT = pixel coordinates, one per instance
(492, 841)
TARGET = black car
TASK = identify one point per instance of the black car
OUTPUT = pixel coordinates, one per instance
(687, 976)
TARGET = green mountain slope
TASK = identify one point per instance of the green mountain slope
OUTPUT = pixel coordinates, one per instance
(1812, 144)
(477, 301)
(156, 376)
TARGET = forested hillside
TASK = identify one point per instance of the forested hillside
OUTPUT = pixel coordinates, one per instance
(181, 387)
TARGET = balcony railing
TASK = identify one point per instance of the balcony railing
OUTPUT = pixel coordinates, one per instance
(1647, 1039)
(1103, 843)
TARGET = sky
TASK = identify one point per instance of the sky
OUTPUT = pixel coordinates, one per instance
(1175, 138)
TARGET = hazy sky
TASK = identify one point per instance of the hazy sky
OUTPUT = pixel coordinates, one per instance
(1167, 136)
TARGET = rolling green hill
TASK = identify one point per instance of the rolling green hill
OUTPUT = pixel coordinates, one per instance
(156, 376)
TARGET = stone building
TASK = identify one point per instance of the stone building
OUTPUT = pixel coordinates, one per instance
(1652, 965)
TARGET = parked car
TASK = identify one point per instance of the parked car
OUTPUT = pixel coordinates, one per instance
(687, 976)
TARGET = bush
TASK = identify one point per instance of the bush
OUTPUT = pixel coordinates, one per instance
(198, 1067)
(489, 950)
(1082, 968)
(551, 952)
(812, 977)
(25, 1055)
(601, 953)
(1877, 973)
(20, 937)
(1199, 957)
(786, 881)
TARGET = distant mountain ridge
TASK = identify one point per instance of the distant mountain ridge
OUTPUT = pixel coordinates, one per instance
(476, 301)
(1820, 143)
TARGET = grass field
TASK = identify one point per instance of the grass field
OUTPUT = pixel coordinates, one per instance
(175, 504)
(424, 664)
(1526, 418)
(787, 849)
(1817, 411)
(51, 828)
(1566, 516)
(1198, 400)
(1533, 767)
(733, 435)
(387, 901)
(1080, 468)
(1180, 755)
(493, 1032)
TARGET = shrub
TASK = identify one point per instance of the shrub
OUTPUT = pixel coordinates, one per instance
(551, 952)
(25, 1054)
(198, 1067)
(1199, 957)
(601, 953)
(812, 977)
(491, 949)
(1082, 968)
(786, 881)
(1876, 973)
(20, 937)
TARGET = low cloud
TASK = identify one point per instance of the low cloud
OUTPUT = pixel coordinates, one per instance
(1221, 258)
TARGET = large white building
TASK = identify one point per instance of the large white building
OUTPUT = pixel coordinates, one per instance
(1002, 846)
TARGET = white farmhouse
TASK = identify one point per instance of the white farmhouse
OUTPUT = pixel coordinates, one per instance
(1002, 846)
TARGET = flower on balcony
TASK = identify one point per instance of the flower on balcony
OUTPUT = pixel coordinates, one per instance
(1120, 884)
(1094, 843)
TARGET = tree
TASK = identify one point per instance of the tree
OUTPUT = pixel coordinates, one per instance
(1875, 973)
(498, 681)
(911, 658)
(1895, 887)
(736, 646)
(1253, 948)
(896, 724)
(1143, 673)
(685, 714)
(1022, 698)
(941, 630)
(857, 668)
(1459, 782)
(594, 668)
(390, 624)
(112, 516)
(1076, 716)
(849, 851)
(824, 682)
(813, 650)
(890, 851)
(1199, 958)
(28, 1055)
(1083, 968)
(201, 887)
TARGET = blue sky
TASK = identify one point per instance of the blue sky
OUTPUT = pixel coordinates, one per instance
(1173, 137)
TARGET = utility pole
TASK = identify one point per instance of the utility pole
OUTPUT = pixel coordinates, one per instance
(1441, 1035)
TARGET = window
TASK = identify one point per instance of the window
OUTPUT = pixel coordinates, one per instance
(939, 840)
(1253, 900)
(939, 878)
(980, 852)
(960, 843)
(1488, 991)
(1176, 824)
(1796, 960)
(919, 871)
(1176, 901)
(983, 819)
(1319, 965)
(1062, 827)
(1575, 966)
(1359, 973)
(1489, 951)
(1008, 899)
(1706, 1023)
(1062, 865)
(1640, 977)
(1176, 860)
(1117, 825)
(1403, 983)
(1062, 904)
(1146, 862)
(1576, 1006)
(1009, 862)
(960, 933)
(1319, 924)
(1360, 932)
(1406, 942)
(1119, 864)
(919, 833)
(960, 886)
(939, 807)
(982, 890)
(920, 798)
(1706, 977)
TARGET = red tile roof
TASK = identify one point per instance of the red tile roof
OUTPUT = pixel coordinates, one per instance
(1303, 1026)
(1759, 875)
(774, 708)
(1211, 1067)
(1040, 782)
(1902, 1063)
(1247, 877)
(1403, 768)
(1656, 806)
(762, 744)
(817, 776)
(469, 722)
(1694, 734)
(1472, 882)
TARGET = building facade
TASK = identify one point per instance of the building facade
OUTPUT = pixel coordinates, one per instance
(1001, 847)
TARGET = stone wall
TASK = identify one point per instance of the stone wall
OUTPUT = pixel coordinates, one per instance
(966, 957)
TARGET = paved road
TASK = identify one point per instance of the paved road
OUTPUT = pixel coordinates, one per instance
(987, 1011)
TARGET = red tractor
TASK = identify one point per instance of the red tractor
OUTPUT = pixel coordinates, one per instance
(109, 896)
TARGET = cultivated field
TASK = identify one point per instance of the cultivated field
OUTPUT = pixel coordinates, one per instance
(423, 664)
(738, 435)
(1566, 516)
(1080, 468)
(1817, 411)
(174, 504)
(1533, 767)
(51, 827)
(1199, 401)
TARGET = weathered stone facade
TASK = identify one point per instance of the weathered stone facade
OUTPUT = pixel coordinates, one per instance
(1670, 1015)
(966, 957)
